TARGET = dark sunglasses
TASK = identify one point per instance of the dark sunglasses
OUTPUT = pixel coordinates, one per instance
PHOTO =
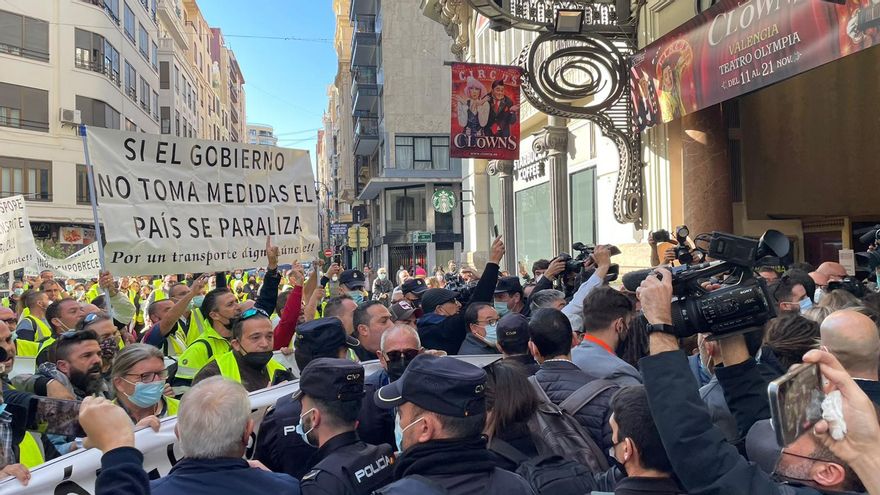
(408, 354)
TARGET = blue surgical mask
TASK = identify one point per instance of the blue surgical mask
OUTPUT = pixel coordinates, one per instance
(147, 394)
(805, 304)
(501, 308)
(18, 291)
(492, 333)
(197, 301)
(398, 431)
(818, 294)
(357, 296)
(302, 433)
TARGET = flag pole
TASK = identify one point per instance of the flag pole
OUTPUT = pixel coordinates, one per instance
(99, 238)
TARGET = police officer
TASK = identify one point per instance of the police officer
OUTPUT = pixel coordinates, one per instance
(331, 392)
(278, 445)
(441, 413)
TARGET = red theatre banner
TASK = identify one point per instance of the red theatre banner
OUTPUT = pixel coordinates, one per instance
(485, 112)
(739, 46)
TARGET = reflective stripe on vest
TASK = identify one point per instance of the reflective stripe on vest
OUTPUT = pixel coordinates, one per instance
(229, 367)
(30, 452)
(45, 343)
(187, 367)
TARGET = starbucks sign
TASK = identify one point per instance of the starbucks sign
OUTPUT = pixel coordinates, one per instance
(444, 200)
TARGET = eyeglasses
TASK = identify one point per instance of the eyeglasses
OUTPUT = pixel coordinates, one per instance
(150, 376)
(251, 313)
(408, 354)
(487, 322)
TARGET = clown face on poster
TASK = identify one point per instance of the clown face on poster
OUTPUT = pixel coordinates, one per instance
(485, 111)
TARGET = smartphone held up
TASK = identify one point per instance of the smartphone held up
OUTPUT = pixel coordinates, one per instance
(796, 402)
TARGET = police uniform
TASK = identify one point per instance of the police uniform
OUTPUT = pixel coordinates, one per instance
(343, 465)
(278, 445)
(455, 466)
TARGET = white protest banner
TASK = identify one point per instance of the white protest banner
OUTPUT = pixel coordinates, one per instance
(16, 240)
(75, 473)
(173, 205)
(85, 263)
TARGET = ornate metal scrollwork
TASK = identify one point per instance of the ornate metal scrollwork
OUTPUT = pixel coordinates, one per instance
(585, 76)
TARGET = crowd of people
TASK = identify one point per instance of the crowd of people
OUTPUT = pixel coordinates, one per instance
(588, 388)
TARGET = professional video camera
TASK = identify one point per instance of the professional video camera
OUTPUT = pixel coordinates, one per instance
(464, 289)
(849, 284)
(869, 260)
(731, 308)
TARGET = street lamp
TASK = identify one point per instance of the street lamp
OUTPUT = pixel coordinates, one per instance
(569, 21)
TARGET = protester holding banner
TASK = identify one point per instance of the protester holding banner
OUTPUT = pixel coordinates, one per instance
(165, 315)
(160, 294)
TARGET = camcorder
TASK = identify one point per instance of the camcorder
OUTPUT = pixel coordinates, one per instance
(742, 302)
(869, 260)
(849, 284)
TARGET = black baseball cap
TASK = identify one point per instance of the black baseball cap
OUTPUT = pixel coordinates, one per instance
(508, 284)
(323, 336)
(331, 379)
(414, 285)
(513, 328)
(353, 279)
(435, 297)
(402, 310)
(442, 385)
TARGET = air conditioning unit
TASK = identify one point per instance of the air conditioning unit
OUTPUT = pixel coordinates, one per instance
(70, 116)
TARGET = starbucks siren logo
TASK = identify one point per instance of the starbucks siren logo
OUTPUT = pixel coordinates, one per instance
(444, 200)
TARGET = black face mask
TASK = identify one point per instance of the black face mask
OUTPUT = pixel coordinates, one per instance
(396, 368)
(257, 360)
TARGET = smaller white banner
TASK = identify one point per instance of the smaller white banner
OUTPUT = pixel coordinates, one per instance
(16, 239)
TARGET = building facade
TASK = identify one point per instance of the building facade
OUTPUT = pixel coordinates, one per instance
(262, 134)
(561, 189)
(120, 64)
(386, 138)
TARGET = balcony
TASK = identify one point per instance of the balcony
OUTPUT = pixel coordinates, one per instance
(172, 17)
(364, 41)
(366, 135)
(233, 92)
(364, 89)
(362, 7)
(81, 62)
(234, 114)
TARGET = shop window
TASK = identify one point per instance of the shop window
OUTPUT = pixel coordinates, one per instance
(532, 225)
(582, 194)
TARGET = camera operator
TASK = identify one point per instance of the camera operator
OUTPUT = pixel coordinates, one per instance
(600, 259)
(703, 461)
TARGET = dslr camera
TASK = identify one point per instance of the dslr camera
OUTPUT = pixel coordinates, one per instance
(576, 265)
(734, 307)
(683, 252)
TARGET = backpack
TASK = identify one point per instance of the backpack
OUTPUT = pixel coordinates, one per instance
(548, 474)
(555, 430)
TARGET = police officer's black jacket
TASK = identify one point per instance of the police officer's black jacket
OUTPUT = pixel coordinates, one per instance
(457, 466)
(473, 346)
(282, 450)
(560, 379)
(375, 425)
(528, 362)
(701, 457)
(345, 465)
(447, 333)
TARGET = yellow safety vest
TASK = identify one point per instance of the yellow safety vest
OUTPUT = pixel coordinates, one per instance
(5, 302)
(29, 451)
(229, 367)
(45, 343)
(42, 331)
(159, 294)
(93, 293)
(26, 348)
(199, 354)
(197, 326)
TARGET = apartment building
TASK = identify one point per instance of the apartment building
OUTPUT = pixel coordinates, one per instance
(263, 134)
(123, 64)
(400, 93)
(63, 63)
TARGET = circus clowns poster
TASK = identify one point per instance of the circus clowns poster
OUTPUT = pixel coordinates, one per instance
(485, 112)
